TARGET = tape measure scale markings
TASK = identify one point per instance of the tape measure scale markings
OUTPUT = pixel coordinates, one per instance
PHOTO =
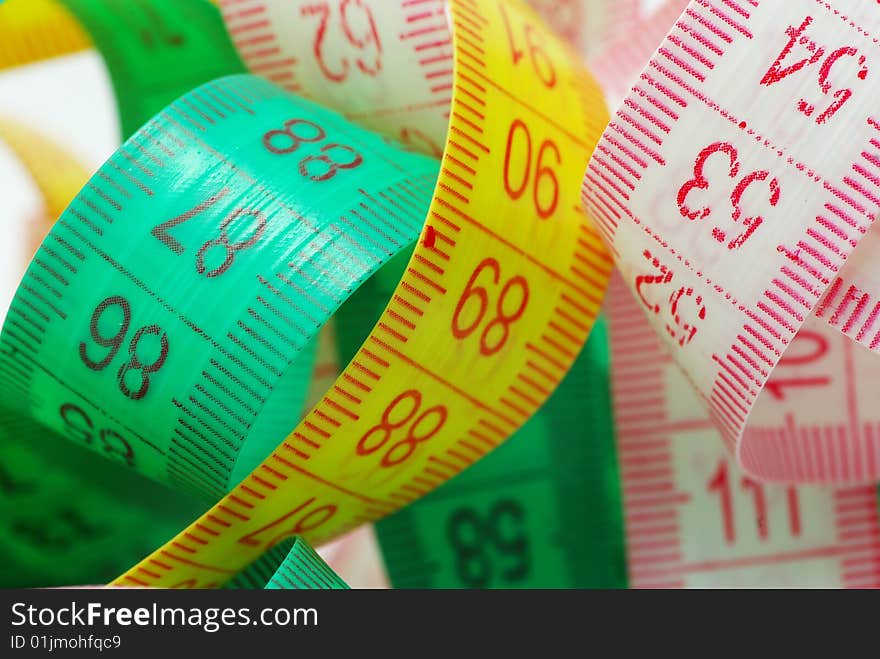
(104, 522)
(416, 377)
(541, 511)
(737, 108)
(100, 523)
(838, 321)
(693, 519)
(123, 308)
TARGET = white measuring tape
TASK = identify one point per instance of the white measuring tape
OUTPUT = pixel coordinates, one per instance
(693, 519)
(732, 185)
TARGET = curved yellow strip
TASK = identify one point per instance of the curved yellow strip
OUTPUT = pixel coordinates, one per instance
(436, 347)
(34, 30)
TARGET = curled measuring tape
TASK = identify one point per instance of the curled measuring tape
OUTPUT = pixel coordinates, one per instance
(100, 523)
(247, 521)
(541, 511)
(693, 519)
(39, 29)
(156, 50)
(355, 60)
(761, 116)
(58, 178)
(104, 522)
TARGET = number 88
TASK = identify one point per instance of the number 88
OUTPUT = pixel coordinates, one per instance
(402, 450)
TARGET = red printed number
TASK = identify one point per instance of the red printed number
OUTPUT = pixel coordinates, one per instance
(680, 329)
(535, 44)
(303, 518)
(402, 414)
(786, 65)
(545, 185)
(509, 308)
(743, 183)
(720, 483)
(357, 26)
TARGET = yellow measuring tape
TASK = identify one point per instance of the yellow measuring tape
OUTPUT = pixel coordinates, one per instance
(57, 174)
(35, 30)
(496, 301)
(425, 352)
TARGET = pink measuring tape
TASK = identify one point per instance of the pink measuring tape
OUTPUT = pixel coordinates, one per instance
(736, 186)
(692, 518)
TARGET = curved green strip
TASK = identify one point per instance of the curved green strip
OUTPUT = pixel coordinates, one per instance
(68, 517)
(291, 564)
(156, 50)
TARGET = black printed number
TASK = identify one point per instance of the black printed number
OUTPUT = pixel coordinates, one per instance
(79, 427)
(333, 156)
(224, 243)
(475, 539)
(147, 350)
(218, 254)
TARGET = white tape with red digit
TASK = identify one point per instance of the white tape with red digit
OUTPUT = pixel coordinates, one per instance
(692, 518)
(732, 186)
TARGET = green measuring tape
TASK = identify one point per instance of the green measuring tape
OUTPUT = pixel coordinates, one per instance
(156, 50)
(501, 518)
(543, 510)
(86, 339)
(107, 521)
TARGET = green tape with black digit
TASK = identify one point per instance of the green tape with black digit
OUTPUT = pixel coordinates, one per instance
(543, 510)
(155, 50)
(109, 342)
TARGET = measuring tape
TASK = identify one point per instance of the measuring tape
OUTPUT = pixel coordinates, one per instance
(58, 178)
(747, 246)
(693, 518)
(156, 50)
(35, 30)
(542, 511)
(105, 522)
(102, 522)
(623, 54)
(247, 521)
(847, 558)
(353, 61)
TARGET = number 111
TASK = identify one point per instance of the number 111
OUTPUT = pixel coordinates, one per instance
(721, 483)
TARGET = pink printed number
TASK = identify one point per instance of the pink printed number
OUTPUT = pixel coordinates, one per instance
(743, 183)
(813, 54)
(679, 327)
